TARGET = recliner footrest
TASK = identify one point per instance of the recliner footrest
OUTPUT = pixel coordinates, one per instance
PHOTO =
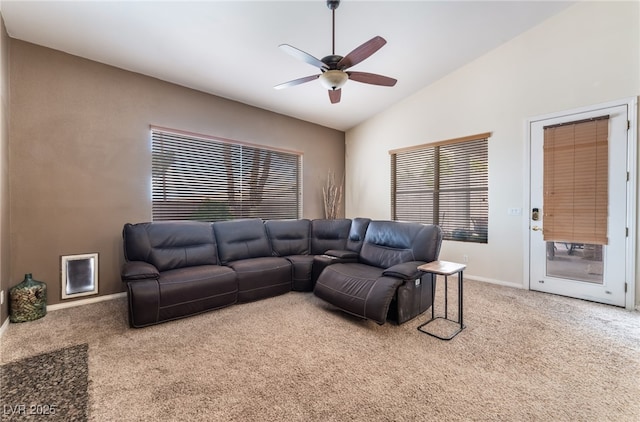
(358, 289)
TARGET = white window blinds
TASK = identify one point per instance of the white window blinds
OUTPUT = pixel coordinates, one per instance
(201, 178)
(445, 183)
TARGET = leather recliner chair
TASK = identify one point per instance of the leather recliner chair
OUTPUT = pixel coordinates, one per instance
(385, 272)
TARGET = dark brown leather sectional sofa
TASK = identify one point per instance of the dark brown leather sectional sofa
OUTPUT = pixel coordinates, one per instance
(366, 268)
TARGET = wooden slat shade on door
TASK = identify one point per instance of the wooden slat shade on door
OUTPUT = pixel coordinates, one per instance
(576, 167)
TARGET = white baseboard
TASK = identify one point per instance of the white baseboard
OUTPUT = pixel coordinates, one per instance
(89, 301)
(4, 326)
(494, 281)
(510, 284)
(72, 304)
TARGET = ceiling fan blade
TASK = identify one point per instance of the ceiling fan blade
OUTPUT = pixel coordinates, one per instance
(371, 78)
(362, 52)
(301, 55)
(334, 95)
(296, 82)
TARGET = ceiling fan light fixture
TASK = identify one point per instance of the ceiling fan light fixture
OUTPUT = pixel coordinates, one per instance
(333, 79)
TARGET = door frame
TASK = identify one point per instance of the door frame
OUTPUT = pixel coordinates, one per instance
(632, 166)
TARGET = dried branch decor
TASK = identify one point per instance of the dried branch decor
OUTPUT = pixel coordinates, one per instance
(332, 195)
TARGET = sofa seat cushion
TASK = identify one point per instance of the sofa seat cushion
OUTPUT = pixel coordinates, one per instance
(196, 283)
(260, 278)
(180, 293)
(358, 289)
(301, 267)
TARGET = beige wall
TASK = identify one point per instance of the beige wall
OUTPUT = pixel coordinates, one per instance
(80, 155)
(588, 54)
(5, 277)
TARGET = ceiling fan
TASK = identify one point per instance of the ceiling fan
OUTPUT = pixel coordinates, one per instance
(333, 67)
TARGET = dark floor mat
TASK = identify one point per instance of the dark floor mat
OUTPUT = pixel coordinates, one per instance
(52, 385)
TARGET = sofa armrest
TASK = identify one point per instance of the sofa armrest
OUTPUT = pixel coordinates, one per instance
(405, 271)
(138, 270)
(345, 256)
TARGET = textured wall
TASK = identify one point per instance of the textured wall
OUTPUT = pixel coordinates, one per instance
(80, 155)
(587, 54)
(5, 278)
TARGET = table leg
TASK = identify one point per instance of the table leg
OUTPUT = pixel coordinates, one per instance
(446, 292)
(446, 316)
(460, 300)
(433, 297)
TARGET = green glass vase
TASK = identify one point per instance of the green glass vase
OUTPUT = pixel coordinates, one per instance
(27, 300)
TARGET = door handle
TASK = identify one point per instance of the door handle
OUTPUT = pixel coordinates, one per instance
(536, 228)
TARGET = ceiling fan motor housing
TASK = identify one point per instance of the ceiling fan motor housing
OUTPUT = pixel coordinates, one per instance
(333, 4)
(332, 61)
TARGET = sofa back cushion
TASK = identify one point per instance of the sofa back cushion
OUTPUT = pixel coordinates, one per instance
(388, 243)
(357, 233)
(241, 239)
(329, 234)
(170, 244)
(289, 237)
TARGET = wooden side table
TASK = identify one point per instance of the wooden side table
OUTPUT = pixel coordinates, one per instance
(446, 269)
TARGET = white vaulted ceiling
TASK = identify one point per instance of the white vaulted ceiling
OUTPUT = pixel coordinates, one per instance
(230, 48)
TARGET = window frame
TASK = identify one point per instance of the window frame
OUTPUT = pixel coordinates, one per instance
(253, 172)
(425, 195)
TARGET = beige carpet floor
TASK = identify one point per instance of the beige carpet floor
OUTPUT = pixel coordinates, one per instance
(524, 356)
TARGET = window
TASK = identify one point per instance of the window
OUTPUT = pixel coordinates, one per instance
(196, 177)
(446, 184)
